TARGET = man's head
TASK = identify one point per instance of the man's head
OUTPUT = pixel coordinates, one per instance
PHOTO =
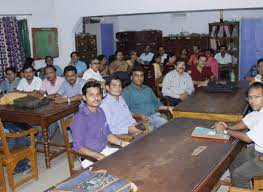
(50, 72)
(157, 58)
(137, 75)
(92, 93)
(171, 58)
(133, 55)
(201, 61)
(29, 72)
(260, 66)
(74, 56)
(196, 49)
(118, 55)
(10, 74)
(147, 49)
(114, 85)
(70, 73)
(255, 96)
(161, 50)
(49, 60)
(209, 53)
(223, 49)
(180, 66)
(95, 64)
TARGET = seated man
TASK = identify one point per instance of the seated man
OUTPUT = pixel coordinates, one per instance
(52, 83)
(70, 89)
(247, 163)
(201, 74)
(49, 61)
(80, 65)
(259, 77)
(223, 58)
(90, 130)
(93, 72)
(141, 100)
(177, 84)
(117, 113)
(11, 81)
(147, 56)
(30, 83)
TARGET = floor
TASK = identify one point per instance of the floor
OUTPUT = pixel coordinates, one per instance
(58, 173)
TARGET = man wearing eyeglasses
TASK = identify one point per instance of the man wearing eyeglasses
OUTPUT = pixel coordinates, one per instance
(177, 84)
(250, 130)
(93, 72)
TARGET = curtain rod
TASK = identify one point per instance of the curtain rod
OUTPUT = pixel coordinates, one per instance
(18, 14)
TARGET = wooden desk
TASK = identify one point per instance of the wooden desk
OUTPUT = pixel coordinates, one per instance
(162, 160)
(42, 116)
(227, 107)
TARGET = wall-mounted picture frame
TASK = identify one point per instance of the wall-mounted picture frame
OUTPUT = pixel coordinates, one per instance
(45, 42)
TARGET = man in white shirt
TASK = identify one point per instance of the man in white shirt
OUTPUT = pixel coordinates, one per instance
(162, 54)
(147, 56)
(258, 77)
(247, 163)
(223, 57)
(93, 72)
(177, 84)
(30, 83)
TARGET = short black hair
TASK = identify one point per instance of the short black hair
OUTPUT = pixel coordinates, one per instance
(114, 76)
(27, 66)
(201, 55)
(223, 46)
(70, 68)
(180, 61)
(50, 66)
(94, 58)
(10, 69)
(259, 61)
(256, 85)
(48, 57)
(29, 61)
(90, 84)
(137, 68)
(100, 57)
(73, 52)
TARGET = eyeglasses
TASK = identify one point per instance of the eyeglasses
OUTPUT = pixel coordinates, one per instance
(95, 63)
(256, 97)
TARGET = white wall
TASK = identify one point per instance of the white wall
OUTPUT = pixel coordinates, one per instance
(43, 14)
(68, 13)
(193, 22)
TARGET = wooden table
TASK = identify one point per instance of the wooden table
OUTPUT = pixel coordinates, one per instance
(42, 116)
(162, 160)
(227, 107)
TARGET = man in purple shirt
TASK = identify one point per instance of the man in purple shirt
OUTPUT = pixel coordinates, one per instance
(90, 130)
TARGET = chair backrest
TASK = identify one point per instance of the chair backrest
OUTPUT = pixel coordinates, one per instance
(65, 123)
(167, 69)
(149, 77)
(3, 142)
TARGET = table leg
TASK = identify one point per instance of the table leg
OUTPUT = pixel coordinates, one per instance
(44, 126)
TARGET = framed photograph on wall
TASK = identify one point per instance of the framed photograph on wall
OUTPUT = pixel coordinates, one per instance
(45, 42)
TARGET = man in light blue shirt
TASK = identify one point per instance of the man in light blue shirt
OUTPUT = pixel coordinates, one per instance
(80, 65)
(117, 113)
(71, 89)
(147, 56)
(142, 102)
(11, 81)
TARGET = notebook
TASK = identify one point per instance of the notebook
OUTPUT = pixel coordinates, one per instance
(202, 132)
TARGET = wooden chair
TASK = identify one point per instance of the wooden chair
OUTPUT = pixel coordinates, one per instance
(149, 77)
(11, 157)
(2, 178)
(257, 186)
(72, 155)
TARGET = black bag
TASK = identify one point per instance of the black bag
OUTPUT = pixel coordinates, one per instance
(30, 102)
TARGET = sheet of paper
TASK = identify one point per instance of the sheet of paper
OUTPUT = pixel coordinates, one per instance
(198, 150)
